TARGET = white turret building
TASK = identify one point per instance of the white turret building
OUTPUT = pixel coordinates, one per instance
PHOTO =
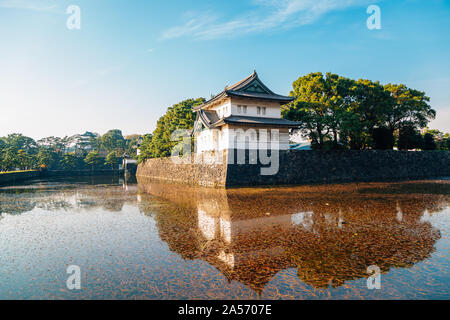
(243, 115)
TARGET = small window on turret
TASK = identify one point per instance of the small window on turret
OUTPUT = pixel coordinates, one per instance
(245, 109)
(239, 109)
(258, 110)
(264, 110)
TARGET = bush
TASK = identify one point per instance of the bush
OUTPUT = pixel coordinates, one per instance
(328, 146)
(383, 139)
(428, 142)
(409, 138)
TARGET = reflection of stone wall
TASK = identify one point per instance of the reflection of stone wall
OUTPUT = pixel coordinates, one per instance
(299, 167)
(17, 176)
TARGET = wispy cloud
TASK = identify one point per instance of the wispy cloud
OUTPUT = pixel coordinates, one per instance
(266, 15)
(33, 5)
(97, 75)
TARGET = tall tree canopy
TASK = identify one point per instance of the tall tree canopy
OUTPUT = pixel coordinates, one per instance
(21, 142)
(93, 159)
(20, 152)
(178, 116)
(113, 140)
(354, 113)
(410, 107)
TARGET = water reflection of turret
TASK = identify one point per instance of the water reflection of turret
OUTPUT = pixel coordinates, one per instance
(129, 183)
(330, 234)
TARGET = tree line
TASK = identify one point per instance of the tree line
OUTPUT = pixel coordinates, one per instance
(336, 113)
(160, 143)
(78, 152)
(341, 113)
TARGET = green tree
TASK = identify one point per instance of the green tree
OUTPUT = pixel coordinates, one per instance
(409, 138)
(383, 138)
(69, 161)
(93, 159)
(112, 159)
(441, 139)
(354, 113)
(9, 159)
(368, 105)
(44, 158)
(21, 142)
(131, 142)
(145, 148)
(178, 116)
(2, 152)
(411, 107)
(314, 106)
(24, 160)
(339, 109)
(113, 140)
(53, 144)
(428, 142)
(444, 143)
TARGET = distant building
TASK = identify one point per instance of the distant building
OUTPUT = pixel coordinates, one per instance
(301, 146)
(138, 146)
(243, 111)
(129, 164)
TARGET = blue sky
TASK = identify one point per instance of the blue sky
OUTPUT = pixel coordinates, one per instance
(132, 59)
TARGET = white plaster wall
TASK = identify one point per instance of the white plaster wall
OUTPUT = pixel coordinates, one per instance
(223, 110)
(207, 140)
(273, 110)
(228, 138)
(230, 107)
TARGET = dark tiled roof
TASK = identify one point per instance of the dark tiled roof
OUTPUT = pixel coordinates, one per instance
(211, 120)
(262, 96)
(261, 121)
(250, 87)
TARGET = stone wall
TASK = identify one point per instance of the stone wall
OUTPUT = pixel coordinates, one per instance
(13, 177)
(301, 167)
(204, 171)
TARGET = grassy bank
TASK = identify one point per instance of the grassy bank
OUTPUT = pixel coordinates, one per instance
(8, 172)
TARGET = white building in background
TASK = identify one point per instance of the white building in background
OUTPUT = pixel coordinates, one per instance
(243, 115)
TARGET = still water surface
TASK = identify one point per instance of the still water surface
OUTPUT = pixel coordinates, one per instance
(156, 241)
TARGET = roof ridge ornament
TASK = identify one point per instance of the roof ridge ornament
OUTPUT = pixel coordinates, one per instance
(250, 88)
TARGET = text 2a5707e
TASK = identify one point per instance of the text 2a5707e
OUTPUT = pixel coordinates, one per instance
(254, 309)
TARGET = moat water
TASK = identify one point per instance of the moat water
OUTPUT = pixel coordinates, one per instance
(156, 241)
